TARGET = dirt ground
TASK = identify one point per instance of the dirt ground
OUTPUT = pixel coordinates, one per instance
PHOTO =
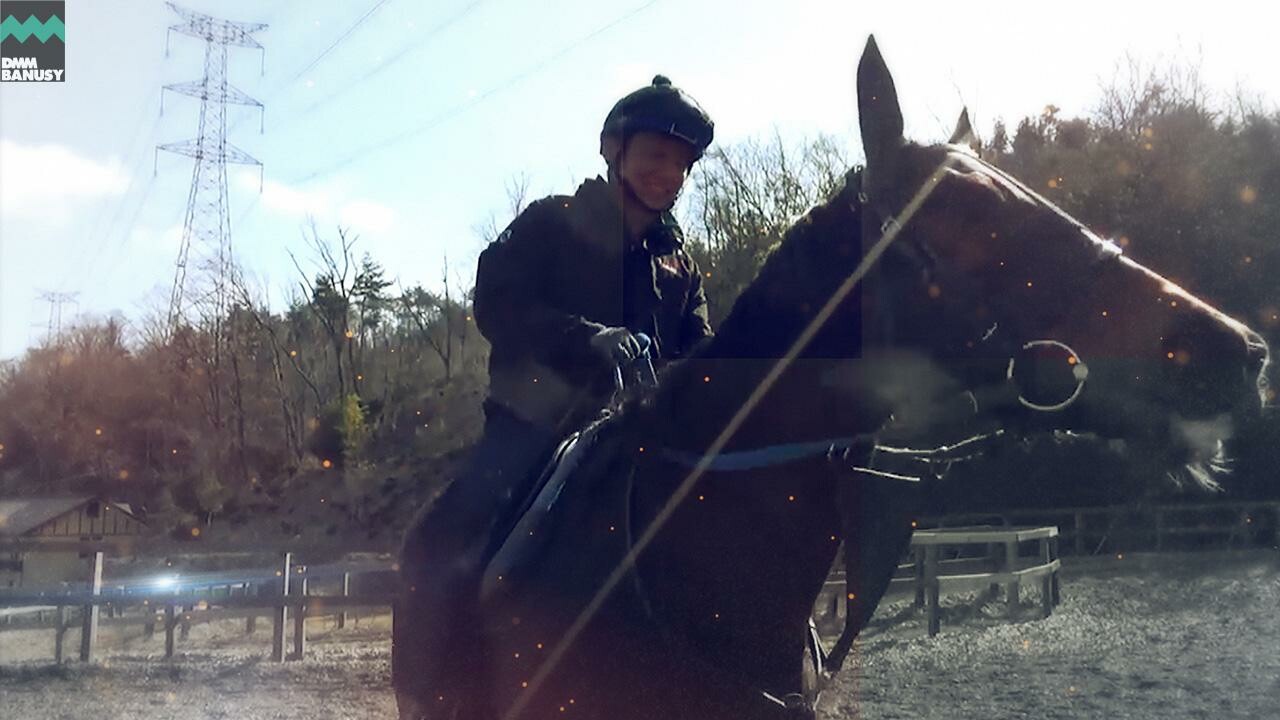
(218, 673)
(1143, 636)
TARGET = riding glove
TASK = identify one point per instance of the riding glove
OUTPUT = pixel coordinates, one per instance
(617, 344)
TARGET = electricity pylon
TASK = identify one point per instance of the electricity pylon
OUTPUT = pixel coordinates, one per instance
(207, 225)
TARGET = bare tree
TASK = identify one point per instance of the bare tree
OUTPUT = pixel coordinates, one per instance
(742, 199)
(517, 200)
(442, 322)
(330, 295)
(1136, 93)
(262, 319)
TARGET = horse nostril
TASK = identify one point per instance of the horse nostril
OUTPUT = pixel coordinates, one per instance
(1256, 347)
(1261, 372)
(1215, 366)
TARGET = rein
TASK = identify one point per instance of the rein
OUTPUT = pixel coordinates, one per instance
(841, 448)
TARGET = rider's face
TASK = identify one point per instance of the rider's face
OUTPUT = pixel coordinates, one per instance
(656, 165)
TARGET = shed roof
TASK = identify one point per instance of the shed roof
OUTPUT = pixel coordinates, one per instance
(18, 516)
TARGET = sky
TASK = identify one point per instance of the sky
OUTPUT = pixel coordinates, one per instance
(405, 121)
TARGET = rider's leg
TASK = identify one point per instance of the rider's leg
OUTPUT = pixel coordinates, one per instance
(443, 556)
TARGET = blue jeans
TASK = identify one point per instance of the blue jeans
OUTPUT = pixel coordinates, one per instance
(499, 475)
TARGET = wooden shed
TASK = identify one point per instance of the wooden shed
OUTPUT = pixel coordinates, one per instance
(42, 526)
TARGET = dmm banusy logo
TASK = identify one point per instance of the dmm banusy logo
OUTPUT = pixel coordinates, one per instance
(33, 41)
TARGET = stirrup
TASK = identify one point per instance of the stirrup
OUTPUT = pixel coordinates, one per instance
(798, 707)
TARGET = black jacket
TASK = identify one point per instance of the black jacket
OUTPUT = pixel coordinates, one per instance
(562, 271)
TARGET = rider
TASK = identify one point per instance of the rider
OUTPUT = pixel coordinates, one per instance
(561, 295)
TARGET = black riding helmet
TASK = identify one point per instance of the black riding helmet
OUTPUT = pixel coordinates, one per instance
(661, 108)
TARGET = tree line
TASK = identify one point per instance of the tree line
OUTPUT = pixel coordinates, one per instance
(380, 385)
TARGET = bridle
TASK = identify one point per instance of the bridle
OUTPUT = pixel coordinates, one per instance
(996, 340)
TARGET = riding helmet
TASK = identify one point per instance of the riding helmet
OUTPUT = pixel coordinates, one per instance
(662, 108)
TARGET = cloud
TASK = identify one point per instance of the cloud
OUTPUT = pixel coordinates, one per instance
(327, 204)
(42, 181)
(367, 216)
(290, 201)
(162, 240)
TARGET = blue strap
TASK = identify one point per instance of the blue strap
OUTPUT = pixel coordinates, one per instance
(761, 457)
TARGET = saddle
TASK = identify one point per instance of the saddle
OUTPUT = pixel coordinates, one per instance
(519, 550)
(543, 517)
(570, 536)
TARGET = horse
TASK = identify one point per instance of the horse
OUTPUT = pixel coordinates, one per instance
(669, 565)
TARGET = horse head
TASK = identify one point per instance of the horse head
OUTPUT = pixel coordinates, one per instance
(991, 289)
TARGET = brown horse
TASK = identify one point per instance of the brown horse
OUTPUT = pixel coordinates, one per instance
(669, 567)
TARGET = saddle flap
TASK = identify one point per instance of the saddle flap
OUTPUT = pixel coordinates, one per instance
(524, 542)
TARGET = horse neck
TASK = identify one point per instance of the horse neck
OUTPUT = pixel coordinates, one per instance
(815, 257)
(737, 567)
(798, 279)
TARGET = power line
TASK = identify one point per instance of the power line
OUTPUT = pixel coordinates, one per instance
(99, 233)
(106, 231)
(368, 14)
(118, 254)
(385, 143)
(288, 84)
(415, 45)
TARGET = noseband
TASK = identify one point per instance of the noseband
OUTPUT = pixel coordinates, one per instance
(995, 341)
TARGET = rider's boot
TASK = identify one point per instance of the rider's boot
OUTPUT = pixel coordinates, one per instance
(435, 650)
(435, 658)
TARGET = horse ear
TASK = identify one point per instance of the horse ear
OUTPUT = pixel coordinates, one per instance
(963, 134)
(879, 115)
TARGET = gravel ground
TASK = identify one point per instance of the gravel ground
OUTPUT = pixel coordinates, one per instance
(1144, 636)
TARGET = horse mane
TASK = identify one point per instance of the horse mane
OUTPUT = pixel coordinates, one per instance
(794, 282)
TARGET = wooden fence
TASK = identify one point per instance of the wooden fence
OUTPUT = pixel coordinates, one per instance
(177, 612)
(929, 572)
(1091, 530)
(998, 563)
